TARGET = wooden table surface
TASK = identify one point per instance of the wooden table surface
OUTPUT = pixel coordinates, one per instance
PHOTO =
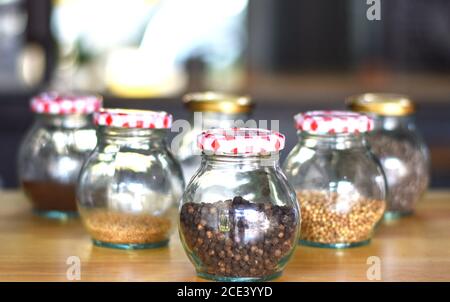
(416, 248)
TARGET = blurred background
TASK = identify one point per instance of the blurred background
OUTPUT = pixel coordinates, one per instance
(289, 55)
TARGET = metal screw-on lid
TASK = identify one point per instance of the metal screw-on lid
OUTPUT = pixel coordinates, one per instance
(386, 104)
(217, 102)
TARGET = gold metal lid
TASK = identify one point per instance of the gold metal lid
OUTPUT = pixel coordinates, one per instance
(386, 104)
(217, 102)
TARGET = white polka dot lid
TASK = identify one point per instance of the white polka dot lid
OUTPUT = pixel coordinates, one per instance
(333, 122)
(240, 141)
(62, 104)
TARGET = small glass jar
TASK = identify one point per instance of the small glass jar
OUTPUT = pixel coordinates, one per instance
(208, 110)
(129, 187)
(54, 149)
(400, 148)
(340, 185)
(239, 217)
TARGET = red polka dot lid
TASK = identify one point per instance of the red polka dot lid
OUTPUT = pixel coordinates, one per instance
(127, 118)
(240, 141)
(333, 122)
(63, 104)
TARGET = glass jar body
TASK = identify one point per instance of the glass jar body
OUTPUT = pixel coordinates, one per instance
(405, 161)
(187, 152)
(341, 189)
(239, 219)
(129, 189)
(50, 158)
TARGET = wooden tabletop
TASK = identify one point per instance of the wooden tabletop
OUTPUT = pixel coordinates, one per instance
(416, 248)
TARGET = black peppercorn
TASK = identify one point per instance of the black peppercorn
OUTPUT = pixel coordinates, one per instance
(239, 238)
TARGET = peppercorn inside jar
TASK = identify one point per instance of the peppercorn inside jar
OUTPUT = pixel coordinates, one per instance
(340, 185)
(398, 144)
(208, 110)
(239, 217)
(54, 149)
(130, 185)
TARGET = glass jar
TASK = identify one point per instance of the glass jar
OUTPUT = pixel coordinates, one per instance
(339, 183)
(239, 217)
(208, 110)
(54, 149)
(129, 187)
(398, 144)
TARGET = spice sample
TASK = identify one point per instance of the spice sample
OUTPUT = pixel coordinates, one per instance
(126, 228)
(330, 218)
(54, 149)
(406, 171)
(239, 238)
(399, 146)
(51, 196)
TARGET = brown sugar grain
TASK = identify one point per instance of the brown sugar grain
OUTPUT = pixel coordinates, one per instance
(124, 228)
(332, 218)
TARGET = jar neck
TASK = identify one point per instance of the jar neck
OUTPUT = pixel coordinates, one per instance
(241, 161)
(338, 142)
(394, 122)
(69, 121)
(207, 120)
(132, 137)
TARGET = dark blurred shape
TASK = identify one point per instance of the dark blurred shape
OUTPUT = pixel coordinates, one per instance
(26, 47)
(38, 31)
(301, 35)
(311, 35)
(417, 34)
(196, 73)
(13, 18)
